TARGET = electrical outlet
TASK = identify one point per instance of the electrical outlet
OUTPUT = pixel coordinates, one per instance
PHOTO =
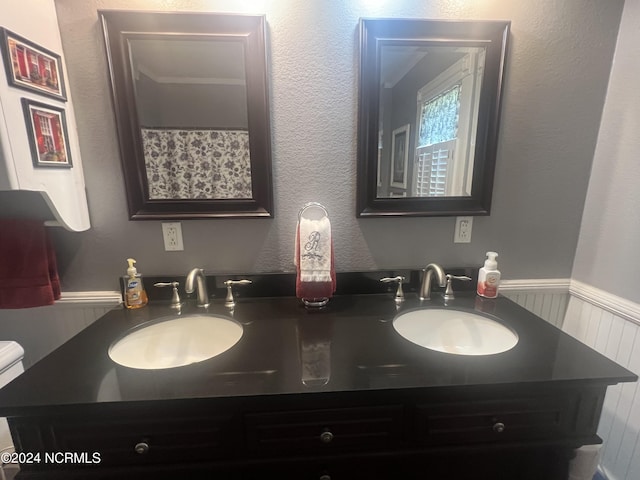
(462, 233)
(172, 234)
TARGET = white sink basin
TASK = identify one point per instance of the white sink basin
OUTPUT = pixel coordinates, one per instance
(176, 341)
(455, 331)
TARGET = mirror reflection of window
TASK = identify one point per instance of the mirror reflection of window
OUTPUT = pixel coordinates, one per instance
(435, 90)
(436, 143)
(447, 119)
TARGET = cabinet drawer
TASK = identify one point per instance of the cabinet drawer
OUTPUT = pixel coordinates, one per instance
(172, 440)
(318, 431)
(494, 420)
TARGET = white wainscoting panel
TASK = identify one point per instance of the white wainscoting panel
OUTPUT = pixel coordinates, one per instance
(43, 329)
(609, 324)
(547, 298)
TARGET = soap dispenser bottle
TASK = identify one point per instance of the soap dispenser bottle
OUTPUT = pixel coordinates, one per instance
(135, 295)
(489, 277)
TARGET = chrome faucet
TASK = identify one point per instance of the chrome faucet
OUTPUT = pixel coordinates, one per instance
(175, 296)
(230, 301)
(448, 293)
(201, 280)
(425, 287)
(399, 297)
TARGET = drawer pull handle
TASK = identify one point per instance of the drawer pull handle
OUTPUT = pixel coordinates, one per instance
(326, 436)
(498, 427)
(142, 448)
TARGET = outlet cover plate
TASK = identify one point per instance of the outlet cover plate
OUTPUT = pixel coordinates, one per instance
(462, 233)
(172, 235)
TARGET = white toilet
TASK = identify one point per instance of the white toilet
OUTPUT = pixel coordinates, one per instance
(11, 354)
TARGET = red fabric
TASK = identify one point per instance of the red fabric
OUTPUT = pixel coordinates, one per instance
(28, 269)
(311, 290)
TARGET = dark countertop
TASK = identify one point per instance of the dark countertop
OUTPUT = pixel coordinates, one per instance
(351, 341)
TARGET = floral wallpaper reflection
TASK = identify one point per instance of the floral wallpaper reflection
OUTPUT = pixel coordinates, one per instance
(197, 164)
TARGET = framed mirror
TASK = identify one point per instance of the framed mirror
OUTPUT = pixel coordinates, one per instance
(190, 97)
(429, 108)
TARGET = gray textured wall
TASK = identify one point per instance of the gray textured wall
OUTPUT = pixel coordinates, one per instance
(557, 72)
(607, 254)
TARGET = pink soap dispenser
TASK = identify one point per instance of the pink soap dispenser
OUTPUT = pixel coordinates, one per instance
(489, 277)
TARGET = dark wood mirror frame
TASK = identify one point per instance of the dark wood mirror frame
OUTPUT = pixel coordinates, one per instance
(117, 25)
(373, 33)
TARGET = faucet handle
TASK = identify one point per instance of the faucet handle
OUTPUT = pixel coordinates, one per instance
(175, 298)
(230, 301)
(448, 293)
(399, 296)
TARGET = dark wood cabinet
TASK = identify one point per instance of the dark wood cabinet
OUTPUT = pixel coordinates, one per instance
(388, 410)
(491, 421)
(324, 431)
(500, 432)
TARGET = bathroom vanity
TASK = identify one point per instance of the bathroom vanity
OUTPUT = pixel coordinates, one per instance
(328, 394)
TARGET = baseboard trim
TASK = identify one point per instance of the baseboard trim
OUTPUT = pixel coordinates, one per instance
(621, 307)
(102, 298)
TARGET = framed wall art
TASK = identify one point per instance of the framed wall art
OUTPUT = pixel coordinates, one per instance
(48, 134)
(31, 67)
(399, 156)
